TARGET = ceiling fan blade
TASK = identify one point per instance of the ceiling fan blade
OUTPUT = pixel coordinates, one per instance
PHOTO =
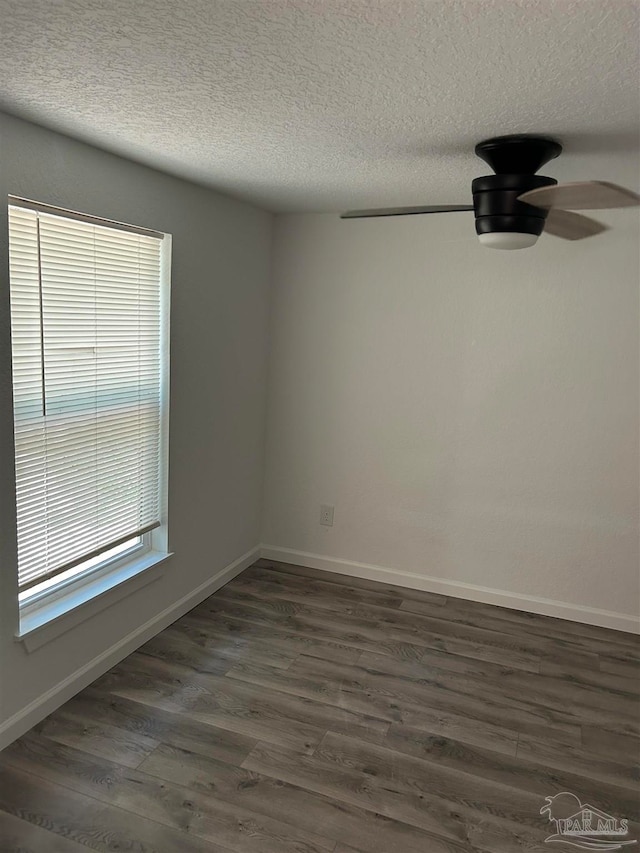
(572, 226)
(583, 195)
(405, 211)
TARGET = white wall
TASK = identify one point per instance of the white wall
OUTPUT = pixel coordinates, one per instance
(472, 414)
(219, 315)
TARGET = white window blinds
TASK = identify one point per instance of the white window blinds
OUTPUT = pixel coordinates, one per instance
(85, 319)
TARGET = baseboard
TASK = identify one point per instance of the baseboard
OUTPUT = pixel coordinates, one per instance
(44, 705)
(528, 603)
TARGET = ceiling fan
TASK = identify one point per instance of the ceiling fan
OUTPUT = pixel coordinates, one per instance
(514, 206)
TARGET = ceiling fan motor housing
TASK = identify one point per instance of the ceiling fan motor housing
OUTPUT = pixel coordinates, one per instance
(515, 159)
(496, 205)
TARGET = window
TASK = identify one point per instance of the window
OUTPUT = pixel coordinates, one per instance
(88, 317)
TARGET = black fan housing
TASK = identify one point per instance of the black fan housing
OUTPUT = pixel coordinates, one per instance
(515, 159)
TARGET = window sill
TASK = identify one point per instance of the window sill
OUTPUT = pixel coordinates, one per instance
(49, 618)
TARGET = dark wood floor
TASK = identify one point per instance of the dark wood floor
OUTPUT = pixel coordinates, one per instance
(297, 711)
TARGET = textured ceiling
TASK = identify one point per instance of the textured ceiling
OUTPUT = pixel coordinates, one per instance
(327, 104)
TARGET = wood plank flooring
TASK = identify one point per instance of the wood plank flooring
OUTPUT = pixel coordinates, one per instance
(297, 711)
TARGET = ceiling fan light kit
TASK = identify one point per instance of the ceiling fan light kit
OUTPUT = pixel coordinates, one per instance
(514, 206)
(507, 239)
(502, 220)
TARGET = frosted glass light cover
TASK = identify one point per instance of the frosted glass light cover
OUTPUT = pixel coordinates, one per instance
(507, 240)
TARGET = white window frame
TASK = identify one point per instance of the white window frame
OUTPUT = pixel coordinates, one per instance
(43, 614)
(79, 574)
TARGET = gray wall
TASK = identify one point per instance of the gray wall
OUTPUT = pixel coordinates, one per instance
(471, 413)
(219, 316)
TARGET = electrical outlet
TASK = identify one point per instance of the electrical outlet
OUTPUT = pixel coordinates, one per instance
(326, 515)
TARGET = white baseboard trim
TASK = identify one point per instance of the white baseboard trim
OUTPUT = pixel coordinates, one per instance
(457, 589)
(44, 705)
